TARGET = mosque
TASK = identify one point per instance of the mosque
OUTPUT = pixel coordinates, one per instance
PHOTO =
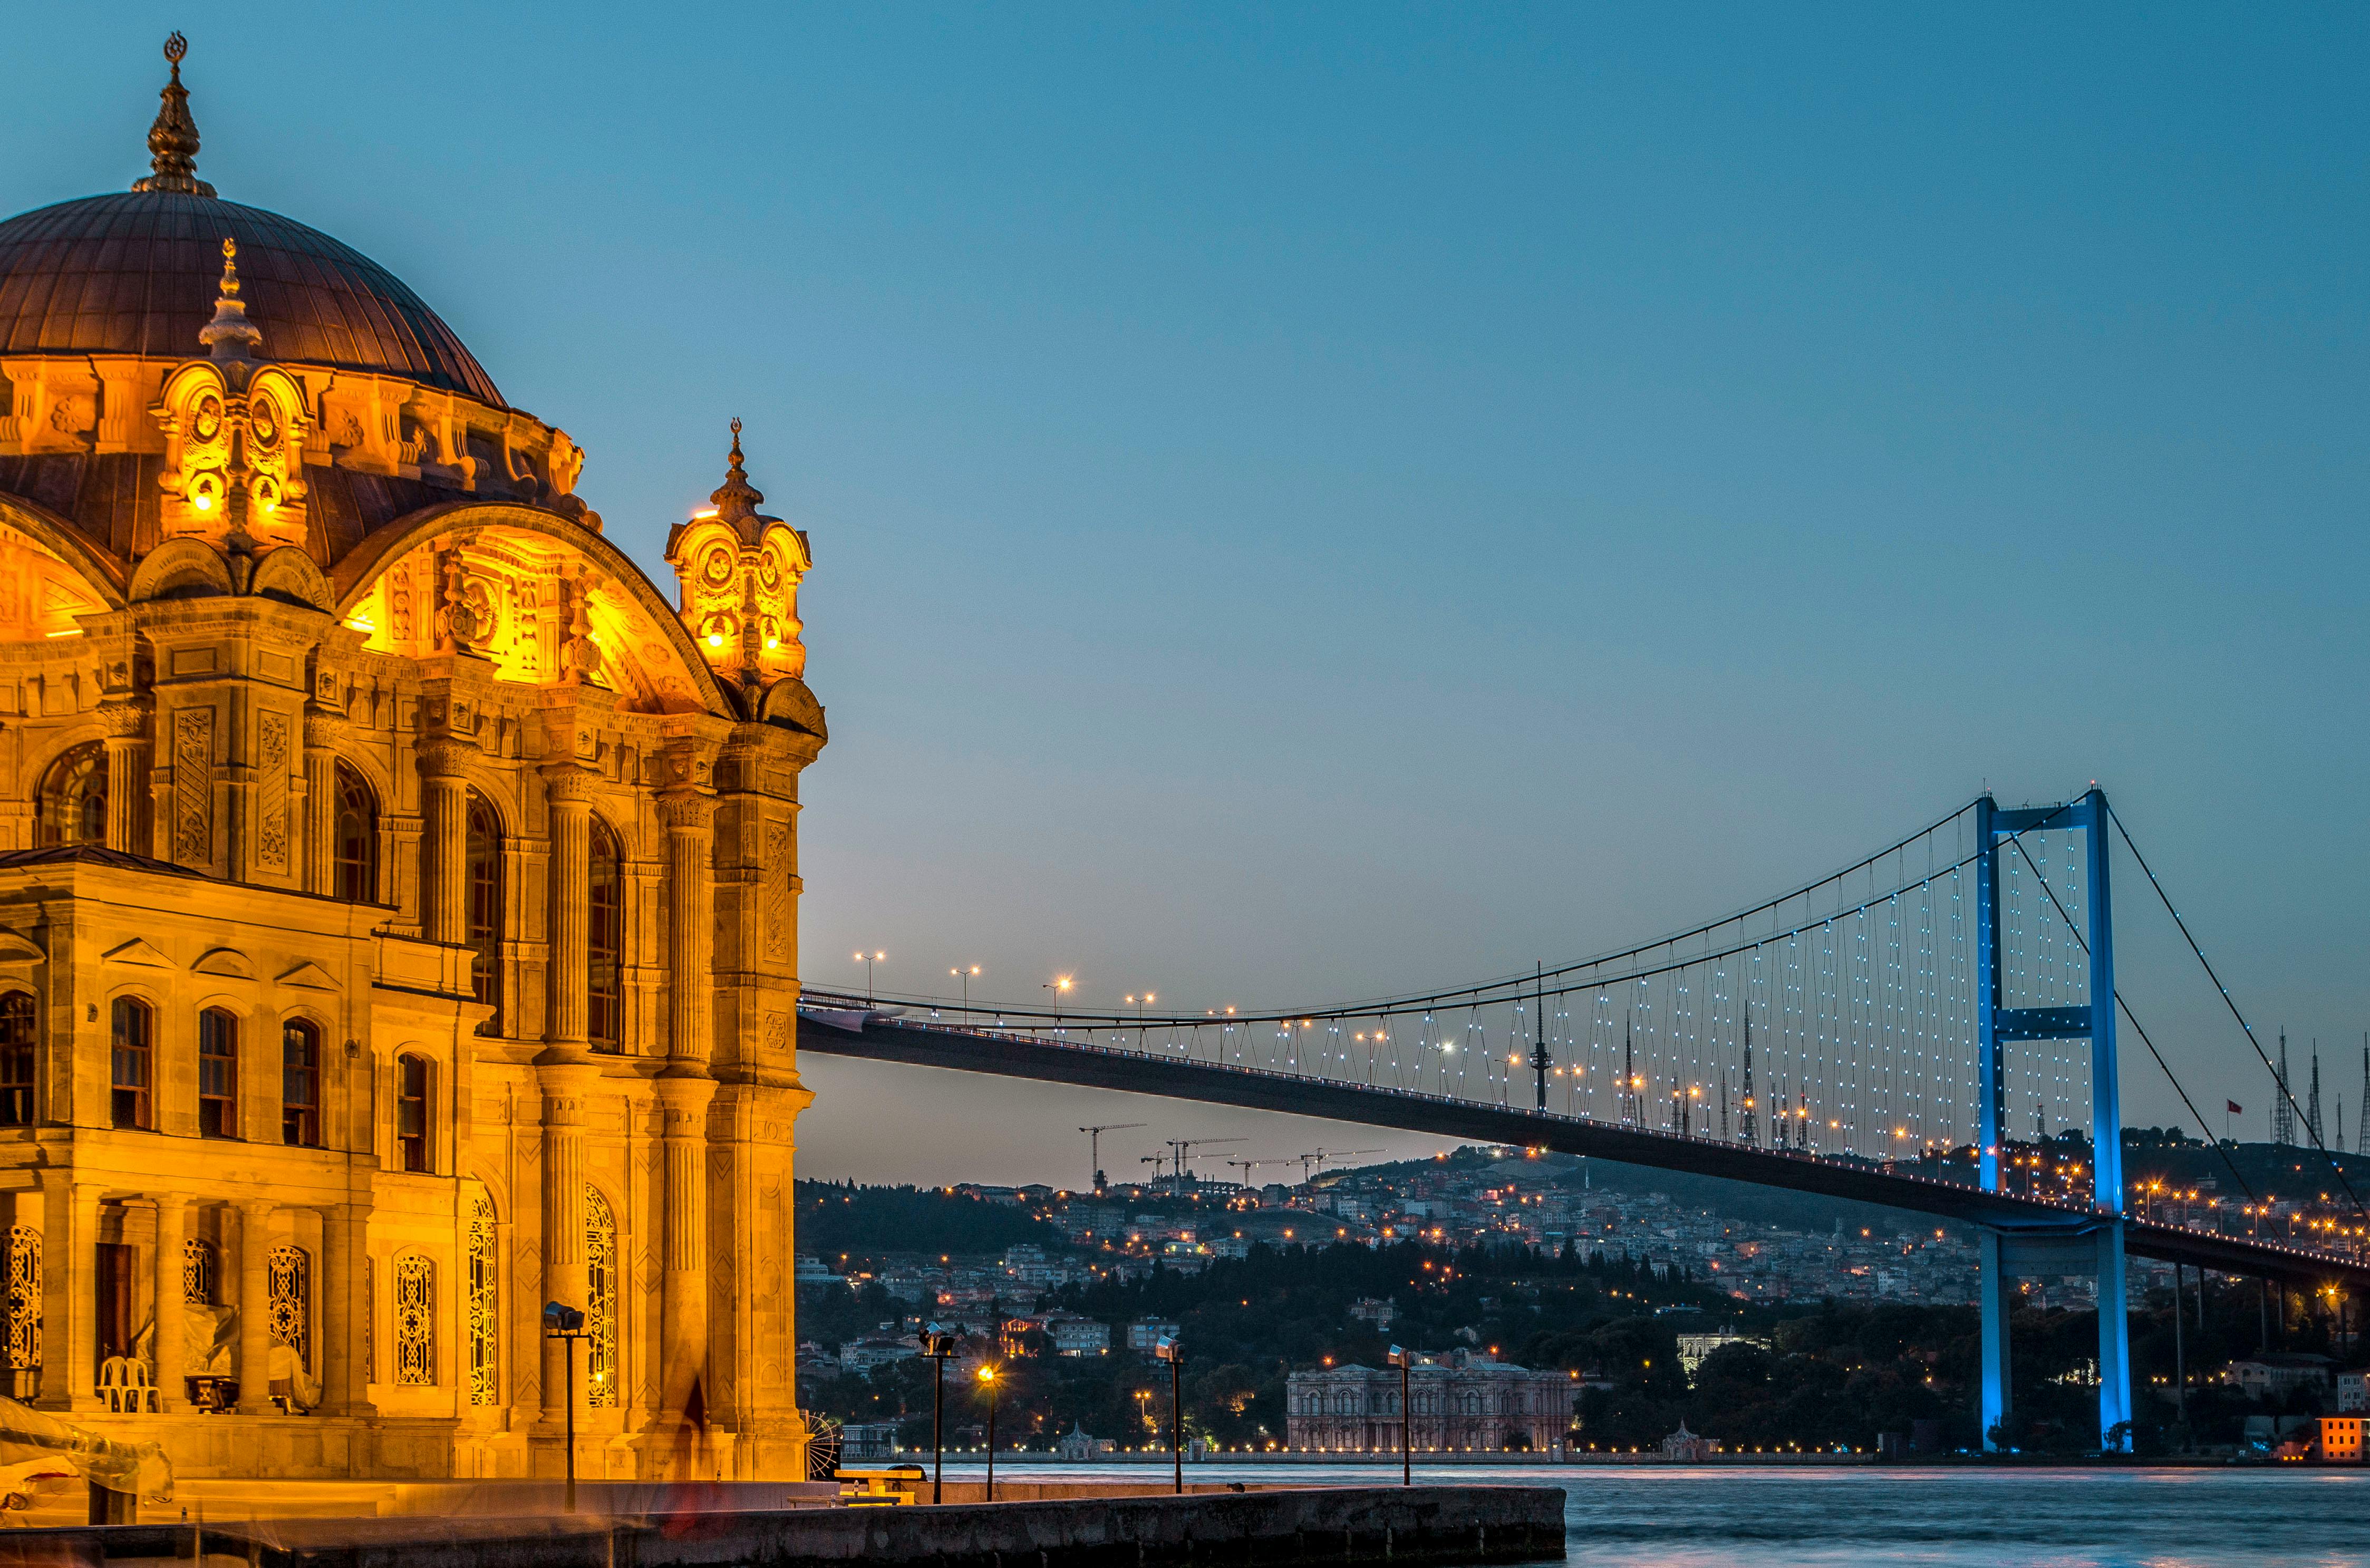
(399, 890)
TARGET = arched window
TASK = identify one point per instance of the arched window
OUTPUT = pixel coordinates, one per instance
(300, 1083)
(411, 1080)
(605, 910)
(217, 1074)
(485, 1305)
(128, 1059)
(24, 1305)
(482, 891)
(355, 839)
(200, 1272)
(415, 1320)
(71, 807)
(600, 1299)
(17, 1057)
(288, 1300)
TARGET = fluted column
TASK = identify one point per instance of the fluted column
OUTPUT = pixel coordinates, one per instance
(682, 1279)
(343, 1306)
(565, 1085)
(691, 922)
(444, 794)
(568, 789)
(171, 1318)
(255, 1306)
(321, 727)
(125, 724)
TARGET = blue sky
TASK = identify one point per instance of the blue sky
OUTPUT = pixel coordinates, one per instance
(1319, 502)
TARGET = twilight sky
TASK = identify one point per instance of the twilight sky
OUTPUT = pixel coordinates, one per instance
(1315, 504)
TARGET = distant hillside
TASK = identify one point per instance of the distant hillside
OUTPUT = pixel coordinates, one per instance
(836, 1220)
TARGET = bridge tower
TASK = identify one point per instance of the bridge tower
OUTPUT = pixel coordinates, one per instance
(2091, 1243)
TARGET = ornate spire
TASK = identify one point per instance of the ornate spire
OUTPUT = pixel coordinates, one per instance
(736, 501)
(230, 334)
(173, 140)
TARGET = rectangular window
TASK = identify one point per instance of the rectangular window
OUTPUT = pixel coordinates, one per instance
(411, 1112)
(217, 1074)
(129, 1060)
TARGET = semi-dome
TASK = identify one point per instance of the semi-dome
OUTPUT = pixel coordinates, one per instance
(136, 273)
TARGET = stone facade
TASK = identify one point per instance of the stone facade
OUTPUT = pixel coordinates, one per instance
(397, 895)
(1465, 1406)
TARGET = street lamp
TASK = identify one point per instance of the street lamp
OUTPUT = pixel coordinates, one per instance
(565, 1324)
(987, 1382)
(937, 1344)
(1402, 1359)
(869, 960)
(1060, 986)
(966, 976)
(1169, 1350)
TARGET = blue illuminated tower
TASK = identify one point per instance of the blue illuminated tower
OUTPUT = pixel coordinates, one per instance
(2080, 1243)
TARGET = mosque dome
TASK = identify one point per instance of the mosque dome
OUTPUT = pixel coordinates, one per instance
(136, 273)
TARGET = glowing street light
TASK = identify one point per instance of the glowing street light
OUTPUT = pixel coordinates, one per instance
(966, 976)
(987, 1381)
(869, 960)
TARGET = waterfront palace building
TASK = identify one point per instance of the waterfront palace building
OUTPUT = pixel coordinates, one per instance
(399, 890)
(1463, 1404)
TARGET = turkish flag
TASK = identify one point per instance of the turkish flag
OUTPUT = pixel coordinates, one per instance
(2236, 1109)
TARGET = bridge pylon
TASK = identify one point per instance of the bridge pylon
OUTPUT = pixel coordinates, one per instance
(2091, 1243)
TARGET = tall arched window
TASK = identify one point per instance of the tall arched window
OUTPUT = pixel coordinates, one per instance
(412, 1077)
(601, 1375)
(485, 1305)
(133, 1029)
(605, 910)
(217, 1074)
(482, 891)
(18, 1040)
(415, 1320)
(71, 807)
(300, 1083)
(355, 839)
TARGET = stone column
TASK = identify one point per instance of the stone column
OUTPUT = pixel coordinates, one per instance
(172, 1328)
(444, 908)
(69, 1292)
(342, 1308)
(125, 727)
(569, 789)
(567, 1083)
(321, 867)
(255, 1306)
(685, 1090)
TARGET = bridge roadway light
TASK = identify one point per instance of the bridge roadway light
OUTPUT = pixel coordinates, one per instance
(966, 976)
(869, 960)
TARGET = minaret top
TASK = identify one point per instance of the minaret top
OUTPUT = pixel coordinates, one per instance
(736, 501)
(173, 140)
(230, 335)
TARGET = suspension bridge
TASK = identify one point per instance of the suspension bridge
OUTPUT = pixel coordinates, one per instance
(1882, 1034)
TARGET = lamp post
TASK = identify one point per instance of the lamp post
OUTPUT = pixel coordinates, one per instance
(1169, 1350)
(869, 960)
(987, 1382)
(966, 976)
(565, 1324)
(937, 1344)
(1402, 1360)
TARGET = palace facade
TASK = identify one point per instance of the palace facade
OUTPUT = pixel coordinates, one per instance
(1464, 1404)
(398, 891)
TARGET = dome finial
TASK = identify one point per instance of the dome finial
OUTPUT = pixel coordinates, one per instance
(230, 334)
(173, 140)
(736, 501)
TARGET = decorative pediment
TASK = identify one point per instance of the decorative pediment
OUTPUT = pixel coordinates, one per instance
(140, 951)
(18, 947)
(310, 976)
(227, 961)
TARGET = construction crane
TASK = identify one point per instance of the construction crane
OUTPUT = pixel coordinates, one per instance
(1249, 1167)
(1095, 1145)
(1183, 1150)
(1309, 1162)
(1155, 1161)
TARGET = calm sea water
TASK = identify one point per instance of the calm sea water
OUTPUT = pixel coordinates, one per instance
(1686, 1516)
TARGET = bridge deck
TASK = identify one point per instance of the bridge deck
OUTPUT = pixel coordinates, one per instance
(876, 1037)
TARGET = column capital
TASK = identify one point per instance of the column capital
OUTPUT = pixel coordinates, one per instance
(564, 783)
(263, 1208)
(324, 727)
(688, 808)
(123, 718)
(445, 756)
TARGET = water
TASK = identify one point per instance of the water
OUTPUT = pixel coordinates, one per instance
(1743, 1517)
